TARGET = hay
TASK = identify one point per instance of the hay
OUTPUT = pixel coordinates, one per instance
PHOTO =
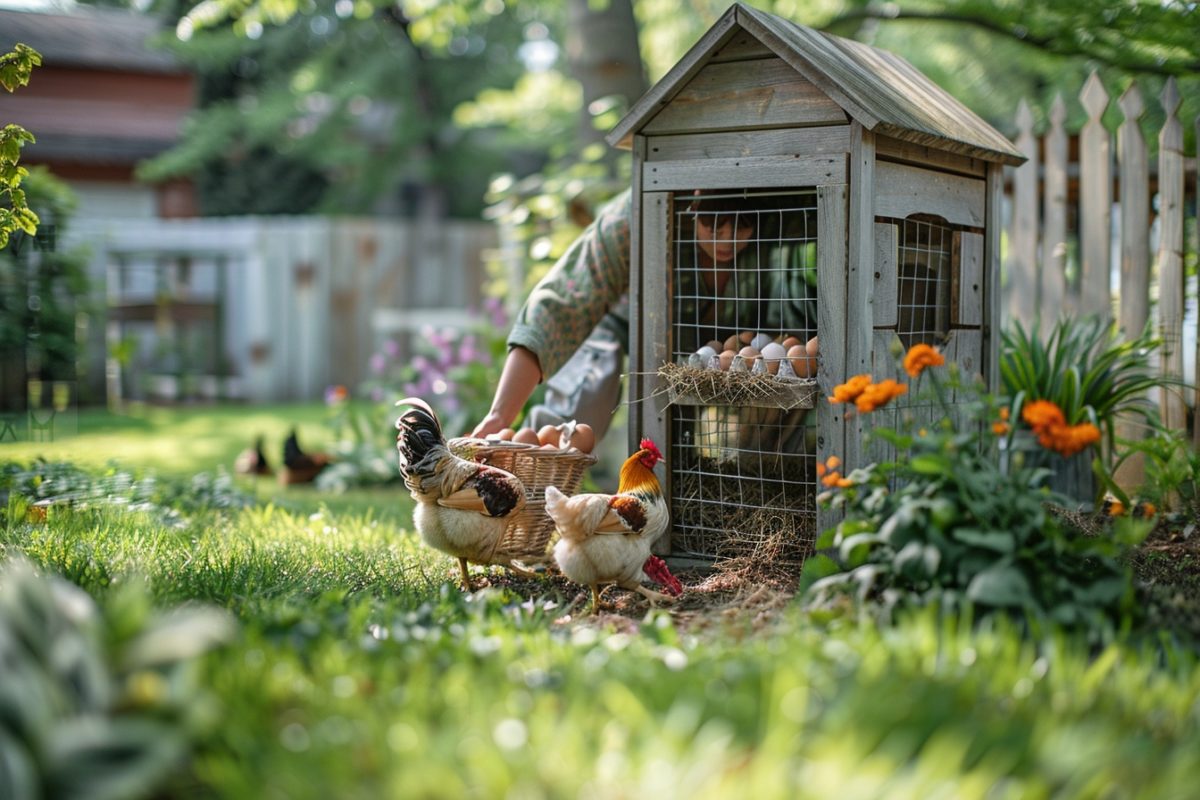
(696, 385)
(760, 526)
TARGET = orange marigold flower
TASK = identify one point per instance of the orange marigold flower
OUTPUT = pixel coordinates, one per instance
(833, 462)
(844, 482)
(821, 469)
(1004, 412)
(999, 428)
(919, 357)
(851, 389)
(1042, 415)
(878, 395)
(832, 479)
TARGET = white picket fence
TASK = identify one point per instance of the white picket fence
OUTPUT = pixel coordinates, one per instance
(1109, 238)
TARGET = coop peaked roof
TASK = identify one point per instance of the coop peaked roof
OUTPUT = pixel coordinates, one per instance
(876, 88)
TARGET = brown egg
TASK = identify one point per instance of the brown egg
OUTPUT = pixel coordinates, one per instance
(526, 436)
(790, 342)
(584, 438)
(812, 347)
(550, 447)
(725, 359)
(802, 365)
(506, 435)
(748, 355)
(733, 343)
(716, 346)
(746, 336)
(549, 434)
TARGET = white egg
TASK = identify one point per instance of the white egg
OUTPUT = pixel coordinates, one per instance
(706, 353)
(773, 351)
(760, 341)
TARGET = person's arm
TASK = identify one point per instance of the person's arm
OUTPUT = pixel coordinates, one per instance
(562, 310)
(522, 373)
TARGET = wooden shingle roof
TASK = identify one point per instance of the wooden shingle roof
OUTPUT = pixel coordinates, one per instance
(876, 88)
(99, 38)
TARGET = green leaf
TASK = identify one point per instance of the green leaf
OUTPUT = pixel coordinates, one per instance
(931, 464)
(1002, 585)
(996, 541)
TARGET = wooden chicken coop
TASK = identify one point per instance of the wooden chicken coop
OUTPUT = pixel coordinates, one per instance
(867, 205)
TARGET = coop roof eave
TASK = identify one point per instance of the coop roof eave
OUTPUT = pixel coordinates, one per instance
(879, 90)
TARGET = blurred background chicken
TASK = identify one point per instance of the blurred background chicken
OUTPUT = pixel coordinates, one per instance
(299, 466)
(252, 460)
(463, 508)
(606, 538)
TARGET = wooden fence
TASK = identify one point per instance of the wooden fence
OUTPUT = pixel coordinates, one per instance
(1103, 207)
(271, 308)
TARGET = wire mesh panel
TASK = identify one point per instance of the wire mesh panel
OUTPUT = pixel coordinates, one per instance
(744, 283)
(923, 280)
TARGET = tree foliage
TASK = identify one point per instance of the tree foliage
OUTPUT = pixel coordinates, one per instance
(15, 214)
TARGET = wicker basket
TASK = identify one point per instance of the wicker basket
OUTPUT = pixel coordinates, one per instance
(527, 538)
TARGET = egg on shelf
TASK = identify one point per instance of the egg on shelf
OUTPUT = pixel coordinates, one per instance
(802, 365)
(702, 357)
(772, 354)
(716, 346)
(725, 359)
(790, 342)
(812, 347)
(746, 337)
(746, 358)
(733, 343)
(760, 341)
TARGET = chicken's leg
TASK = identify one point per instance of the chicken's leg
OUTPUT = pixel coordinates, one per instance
(466, 576)
(649, 594)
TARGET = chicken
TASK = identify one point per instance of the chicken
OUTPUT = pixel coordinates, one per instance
(606, 538)
(299, 466)
(252, 460)
(463, 508)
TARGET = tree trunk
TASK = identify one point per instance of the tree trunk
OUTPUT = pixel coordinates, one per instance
(603, 55)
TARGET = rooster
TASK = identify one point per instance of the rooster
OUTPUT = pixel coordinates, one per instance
(606, 538)
(299, 466)
(463, 508)
(252, 460)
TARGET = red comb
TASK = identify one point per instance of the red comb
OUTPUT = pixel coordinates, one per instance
(656, 570)
(646, 444)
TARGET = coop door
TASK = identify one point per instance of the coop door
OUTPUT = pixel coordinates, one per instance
(741, 377)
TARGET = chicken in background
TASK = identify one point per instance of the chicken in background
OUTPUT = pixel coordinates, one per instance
(299, 466)
(252, 460)
(463, 507)
(606, 538)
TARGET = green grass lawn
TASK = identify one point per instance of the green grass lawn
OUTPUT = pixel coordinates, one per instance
(359, 670)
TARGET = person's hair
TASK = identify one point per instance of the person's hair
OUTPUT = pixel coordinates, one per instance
(725, 205)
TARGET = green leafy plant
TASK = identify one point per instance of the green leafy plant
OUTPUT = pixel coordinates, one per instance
(1172, 472)
(1084, 367)
(94, 703)
(946, 524)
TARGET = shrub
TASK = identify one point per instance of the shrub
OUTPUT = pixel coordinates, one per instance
(946, 524)
(94, 704)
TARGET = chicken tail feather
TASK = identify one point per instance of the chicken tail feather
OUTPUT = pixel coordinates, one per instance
(420, 434)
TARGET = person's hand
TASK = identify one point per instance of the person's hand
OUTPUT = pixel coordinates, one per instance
(492, 423)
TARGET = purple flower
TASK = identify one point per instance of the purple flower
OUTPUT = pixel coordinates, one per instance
(391, 348)
(495, 309)
(376, 395)
(378, 363)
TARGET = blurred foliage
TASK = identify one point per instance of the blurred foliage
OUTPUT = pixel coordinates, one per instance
(452, 370)
(948, 523)
(44, 290)
(15, 214)
(96, 703)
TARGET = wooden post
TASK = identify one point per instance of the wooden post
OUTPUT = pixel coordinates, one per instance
(1135, 252)
(1022, 273)
(1170, 258)
(1095, 203)
(860, 272)
(1054, 298)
